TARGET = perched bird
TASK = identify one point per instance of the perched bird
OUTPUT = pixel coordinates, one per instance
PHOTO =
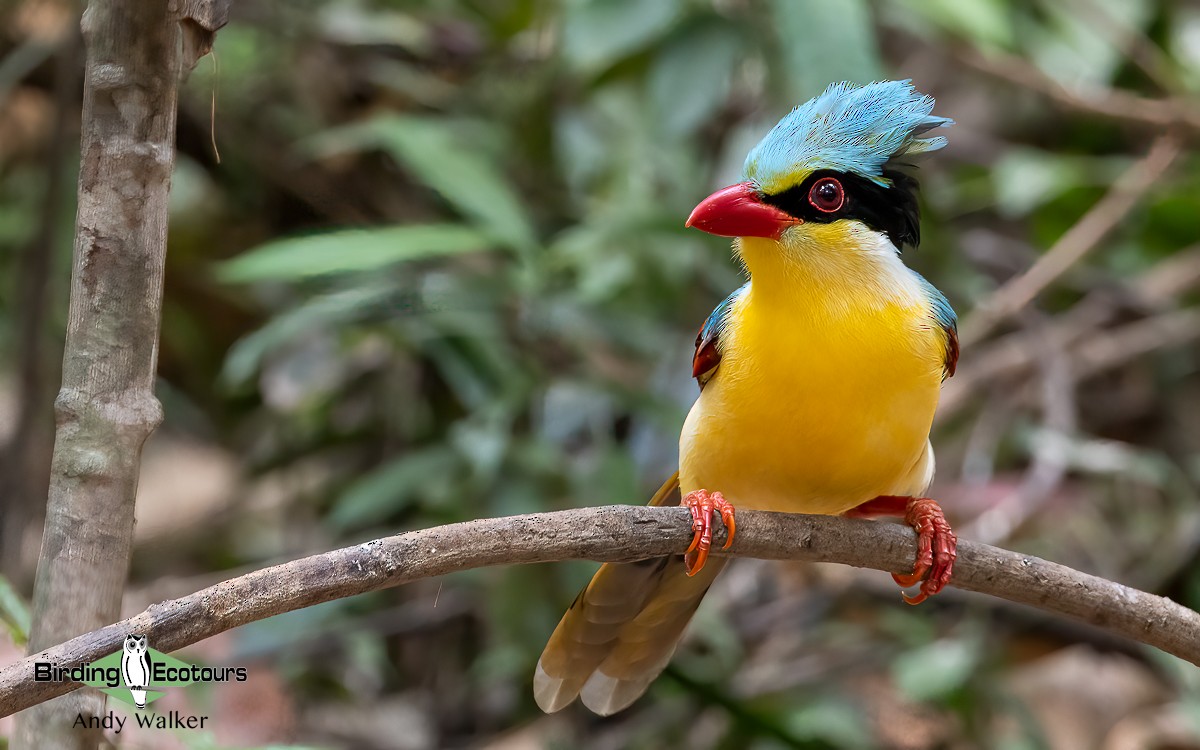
(819, 379)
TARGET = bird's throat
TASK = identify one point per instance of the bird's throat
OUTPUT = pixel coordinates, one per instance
(830, 270)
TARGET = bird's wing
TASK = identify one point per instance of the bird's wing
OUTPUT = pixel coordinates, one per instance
(708, 341)
(951, 350)
(943, 314)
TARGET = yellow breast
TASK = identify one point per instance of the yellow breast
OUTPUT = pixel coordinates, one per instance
(826, 389)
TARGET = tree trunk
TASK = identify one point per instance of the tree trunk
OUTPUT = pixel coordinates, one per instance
(106, 408)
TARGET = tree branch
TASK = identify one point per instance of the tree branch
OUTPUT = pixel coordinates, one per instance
(1117, 104)
(609, 534)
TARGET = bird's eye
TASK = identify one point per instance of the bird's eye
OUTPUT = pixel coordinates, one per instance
(827, 195)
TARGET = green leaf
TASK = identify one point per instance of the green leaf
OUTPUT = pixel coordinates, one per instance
(832, 719)
(600, 33)
(14, 612)
(349, 250)
(446, 160)
(691, 76)
(824, 42)
(393, 487)
(984, 22)
(350, 24)
(1072, 48)
(1183, 28)
(936, 670)
(1027, 178)
(246, 355)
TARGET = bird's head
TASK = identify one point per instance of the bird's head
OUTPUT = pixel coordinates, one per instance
(826, 174)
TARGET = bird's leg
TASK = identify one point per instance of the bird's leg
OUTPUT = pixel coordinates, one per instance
(937, 546)
(704, 505)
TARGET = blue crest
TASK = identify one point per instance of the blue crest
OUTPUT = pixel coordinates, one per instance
(847, 129)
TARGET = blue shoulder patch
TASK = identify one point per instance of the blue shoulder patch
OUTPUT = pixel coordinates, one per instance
(947, 319)
(708, 341)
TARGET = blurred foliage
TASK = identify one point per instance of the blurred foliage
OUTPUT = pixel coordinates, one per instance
(440, 272)
(14, 613)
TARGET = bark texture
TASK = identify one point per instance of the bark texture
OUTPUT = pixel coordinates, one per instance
(106, 408)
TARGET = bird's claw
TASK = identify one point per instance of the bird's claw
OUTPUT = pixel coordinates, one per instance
(704, 505)
(936, 544)
(937, 548)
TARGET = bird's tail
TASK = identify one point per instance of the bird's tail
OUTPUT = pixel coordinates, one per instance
(621, 630)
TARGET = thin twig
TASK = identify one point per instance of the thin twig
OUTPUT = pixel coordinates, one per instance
(1106, 102)
(611, 533)
(1093, 352)
(1083, 236)
(1107, 349)
(1015, 355)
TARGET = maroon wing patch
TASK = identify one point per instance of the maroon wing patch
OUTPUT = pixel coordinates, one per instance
(707, 356)
(951, 352)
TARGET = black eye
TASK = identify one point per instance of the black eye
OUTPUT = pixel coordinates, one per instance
(827, 195)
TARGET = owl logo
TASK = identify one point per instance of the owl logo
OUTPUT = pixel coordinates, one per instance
(135, 667)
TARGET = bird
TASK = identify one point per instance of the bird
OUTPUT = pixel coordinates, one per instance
(819, 379)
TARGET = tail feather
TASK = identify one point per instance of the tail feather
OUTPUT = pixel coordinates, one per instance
(645, 644)
(621, 630)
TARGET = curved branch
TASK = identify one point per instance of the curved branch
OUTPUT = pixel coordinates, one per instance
(1115, 103)
(616, 533)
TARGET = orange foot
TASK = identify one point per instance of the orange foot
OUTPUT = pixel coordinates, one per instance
(704, 505)
(937, 546)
